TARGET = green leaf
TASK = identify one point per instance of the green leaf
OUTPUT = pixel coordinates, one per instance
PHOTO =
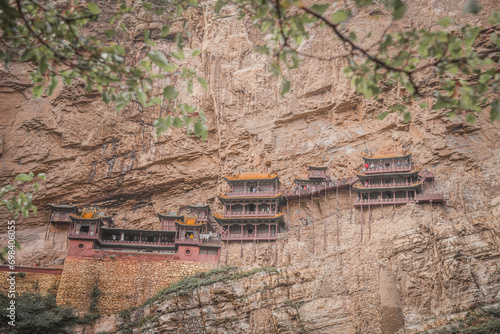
(170, 93)
(407, 117)
(38, 91)
(340, 16)
(177, 122)
(93, 8)
(105, 96)
(27, 54)
(53, 84)
(495, 110)
(444, 22)
(363, 3)
(23, 178)
(202, 82)
(141, 96)
(472, 6)
(178, 55)
(470, 118)
(285, 87)
(165, 30)
(494, 17)
(41, 176)
(196, 53)
(218, 6)
(190, 87)
(382, 115)
(320, 8)
(158, 58)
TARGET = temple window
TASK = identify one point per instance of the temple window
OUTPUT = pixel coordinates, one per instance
(84, 228)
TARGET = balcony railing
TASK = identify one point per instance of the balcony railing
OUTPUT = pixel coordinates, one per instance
(419, 198)
(83, 235)
(435, 197)
(136, 242)
(250, 236)
(388, 169)
(259, 213)
(330, 185)
(251, 193)
(316, 174)
(62, 218)
(390, 185)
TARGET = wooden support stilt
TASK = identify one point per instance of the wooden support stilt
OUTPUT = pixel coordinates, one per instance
(338, 209)
(381, 206)
(218, 258)
(54, 234)
(298, 224)
(253, 245)
(46, 231)
(276, 255)
(324, 225)
(432, 218)
(227, 244)
(362, 222)
(350, 198)
(312, 212)
(288, 214)
(241, 249)
(369, 222)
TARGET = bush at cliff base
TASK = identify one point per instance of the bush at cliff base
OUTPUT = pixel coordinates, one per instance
(36, 314)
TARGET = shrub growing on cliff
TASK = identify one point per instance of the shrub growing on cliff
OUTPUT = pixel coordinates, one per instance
(38, 314)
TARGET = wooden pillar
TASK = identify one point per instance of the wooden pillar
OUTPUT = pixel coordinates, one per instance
(241, 243)
(288, 214)
(369, 222)
(324, 225)
(338, 226)
(227, 241)
(362, 219)
(350, 197)
(432, 218)
(298, 224)
(276, 253)
(312, 215)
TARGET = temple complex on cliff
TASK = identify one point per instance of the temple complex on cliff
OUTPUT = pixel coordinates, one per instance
(391, 180)
(251, 208)
(181, 237)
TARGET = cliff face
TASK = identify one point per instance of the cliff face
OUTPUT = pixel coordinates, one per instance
(407, 268)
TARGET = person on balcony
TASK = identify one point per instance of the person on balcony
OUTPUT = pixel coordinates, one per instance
(372, 165)
(366, 167)
(113, 237)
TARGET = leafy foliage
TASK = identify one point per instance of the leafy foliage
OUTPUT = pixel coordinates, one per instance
(458, 68)
(222, 274)
(18, 196)
(51, 36)
(37, 314)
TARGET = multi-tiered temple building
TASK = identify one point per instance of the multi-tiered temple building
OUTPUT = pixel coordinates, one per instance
(251, 208)
(181, 237)
(391, 180)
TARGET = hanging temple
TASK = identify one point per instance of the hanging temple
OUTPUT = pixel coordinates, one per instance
(252, 212)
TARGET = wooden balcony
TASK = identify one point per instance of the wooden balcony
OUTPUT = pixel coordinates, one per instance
(316, 174)
(136, 243)
(83, 235)
(388, 169)
(330, 185)
(389, 185)
(419, 198)
(251, 236)
(434, 197)
(261, 213)
(60, 217)
(251, 194)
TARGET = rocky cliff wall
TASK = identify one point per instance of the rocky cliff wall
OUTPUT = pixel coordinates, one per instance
(410, 266)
